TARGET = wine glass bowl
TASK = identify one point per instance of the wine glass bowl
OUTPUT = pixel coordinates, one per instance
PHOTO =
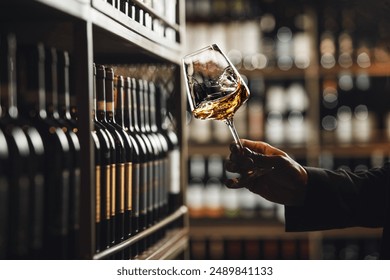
(215, 89)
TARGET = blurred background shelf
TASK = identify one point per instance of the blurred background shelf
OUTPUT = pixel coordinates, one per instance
(318, 78)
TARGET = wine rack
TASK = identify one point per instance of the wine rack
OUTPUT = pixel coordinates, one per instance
(119, 34)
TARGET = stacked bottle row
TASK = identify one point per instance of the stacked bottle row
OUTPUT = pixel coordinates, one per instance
(367, 248)
(208, 197)
(137, 160)
(267, 34)
(333, 161)
(157, 16)
(222, 10)
(211, 248)
(136, 151)
(353, 109)
(276, 39)
(347, 37)
(39, 154)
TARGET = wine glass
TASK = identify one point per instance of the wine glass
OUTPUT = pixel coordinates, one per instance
(215, 89)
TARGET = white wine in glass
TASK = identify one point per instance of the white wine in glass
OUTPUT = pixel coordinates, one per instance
(215, 88)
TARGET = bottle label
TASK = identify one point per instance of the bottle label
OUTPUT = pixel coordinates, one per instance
(110, 106)
(97, 195)
(156, 183)
(21, 236)
(150, 186)
(129, 187)
(121, 191)
(135, 188)
(174, 172)
(38, 196)
(163, 191)
(76, 198)
(63, 207)
(101, 106)
(143, 189)
(113, 189)
(108, 192)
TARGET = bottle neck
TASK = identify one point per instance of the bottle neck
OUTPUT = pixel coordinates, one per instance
(146, 108)
(160, 104)
(139, 106)
(51, 83)
(118, 101)
(31, 71)
(94, 101)
(128, 120)
(109, 86)
(63, 85)
(72, 94)
(134, 105)
(8, 76)
(100, 94)
(152, 107)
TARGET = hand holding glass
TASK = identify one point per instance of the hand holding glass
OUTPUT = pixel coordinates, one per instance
(215, 89)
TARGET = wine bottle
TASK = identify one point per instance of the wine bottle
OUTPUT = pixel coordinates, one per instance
(126, 166)
(140, 129)
(31, 75)
(107, 169)
(140, 163)
(70, 124)
(18, 193)
(147, 171)
(105, 111)
(155, 165)
(98, 207)
(156, 129)
(121, 87)
(27, 228)
(162, 146)
(165, 126)
(57, 108)
(196, 183)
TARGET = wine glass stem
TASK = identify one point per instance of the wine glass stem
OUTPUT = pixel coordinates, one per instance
(233, 130)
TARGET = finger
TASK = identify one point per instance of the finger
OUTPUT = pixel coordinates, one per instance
(262, 161)
(262, 147)
(231, 166)
(234, 149)
(232, 183)
(249, 161)
(241, 162)
(265, 162)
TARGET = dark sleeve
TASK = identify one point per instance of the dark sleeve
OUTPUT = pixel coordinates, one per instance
(338, 199)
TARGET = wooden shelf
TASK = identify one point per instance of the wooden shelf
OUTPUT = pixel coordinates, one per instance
(375, 70)
(223, 149)
(262, 229)
(115, 35)
(124, 35)
(274, 73)
(20, 10)
(171, 247)
(180, 213)
(355, 150)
